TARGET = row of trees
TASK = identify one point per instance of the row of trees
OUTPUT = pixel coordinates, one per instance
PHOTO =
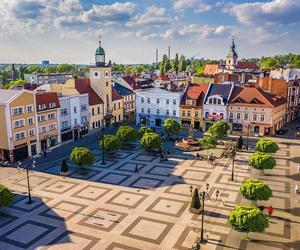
(176, 65)
(248, 219)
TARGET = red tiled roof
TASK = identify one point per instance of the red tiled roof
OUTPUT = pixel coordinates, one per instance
(115, 94)
(131, 82)
(246, 65)
(163, 78)
(195, 92)
(47, 98)
(30, 86)
(255, 96)
(211, 69)
(83, 87)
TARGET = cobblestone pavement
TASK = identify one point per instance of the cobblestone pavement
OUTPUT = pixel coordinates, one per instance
(112, 207)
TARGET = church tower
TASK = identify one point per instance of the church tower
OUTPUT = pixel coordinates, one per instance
(232, 57)
(100, 79)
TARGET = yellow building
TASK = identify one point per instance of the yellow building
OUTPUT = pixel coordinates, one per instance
(118, 106)
(18, 124)
(191, 106)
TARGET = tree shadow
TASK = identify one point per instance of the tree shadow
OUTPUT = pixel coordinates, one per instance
(32, 228)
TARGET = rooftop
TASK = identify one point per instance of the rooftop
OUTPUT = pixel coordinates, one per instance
(47, 98)
(122, 90)
(83, 87)
(7, 95)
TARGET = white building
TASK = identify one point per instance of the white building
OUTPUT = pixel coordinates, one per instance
(154, 105)
(74, 116)
(47, 78)
(215, 105)
(286, 74)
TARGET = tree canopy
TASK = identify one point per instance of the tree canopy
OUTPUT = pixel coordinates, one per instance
(81, 156)
(262, 161)
(247, 219)
(143, 130)
(14, 83)
(219, 129)
(182, 64)
(151, 141)
(266, 145)
(175, 63)
(6, 197)
(110, 142)
(253, 189)
(171, 126)
(126, 134)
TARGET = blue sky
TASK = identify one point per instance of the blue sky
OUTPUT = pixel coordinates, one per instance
(66, 31)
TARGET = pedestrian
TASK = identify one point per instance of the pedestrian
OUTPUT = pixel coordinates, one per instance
(207, 236)
(197, 156)
(296, 188)
(299, 168)
(136, 168)
(270, 211)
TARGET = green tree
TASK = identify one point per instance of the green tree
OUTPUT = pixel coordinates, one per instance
(162, 64)
(82, 157)
(266, 145)
(14, 83)
(262, 161)
(269, 63)
(208, 142)
(110, 142)
(6, 197)
(126, 134)
(240, 143)
(171, 126)
(254, 190)
(151, 141)
(195, 203)
(175, 64)
(182, 64)
(246, 219)
(296, 64)
(144, 130)
(167, 65)
(33, 69)
(219, 129)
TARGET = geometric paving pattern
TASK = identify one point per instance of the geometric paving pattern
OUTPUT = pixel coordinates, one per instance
(110, 206)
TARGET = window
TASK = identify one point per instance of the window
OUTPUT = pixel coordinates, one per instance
(219, 101)
(52, 105)
(31, 132)
(42, 129)
(75, 122)
(143, 110)
(64, 125)
(17, 111)
(51, 116)
(19, 136)
(174, 102)
(210, 101)
(214, 100)
(206, 114)
(246, 117)
(157, 100)
(119, 105)
(262, 118)
(75, 109)
(83, 119)
(41, 118)
(196, 113)
(30, 108)
(157, 111)
(19, 123)
(83, 107)
(189, 113)
(52, 127)
(238, 116)
(167, 101)
(183, 112)
(230, 115)
(98, 109)
(64, 112)
(42, 106)
(142, 100)
(93, 111)
(148, 100)
(221, 115)
(106, 74)
(167, 112)
(174, 112)
(30, 120)
(254, 117)
(148, 110)
(119, 117)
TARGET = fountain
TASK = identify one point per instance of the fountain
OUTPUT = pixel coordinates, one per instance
(189, 143)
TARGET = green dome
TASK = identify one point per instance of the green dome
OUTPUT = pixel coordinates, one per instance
(100, 51)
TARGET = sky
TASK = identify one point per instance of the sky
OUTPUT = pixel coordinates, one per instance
(67, 31)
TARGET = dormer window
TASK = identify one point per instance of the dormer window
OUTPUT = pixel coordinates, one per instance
(52, 105)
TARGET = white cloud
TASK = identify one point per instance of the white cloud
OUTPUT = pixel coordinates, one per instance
(153, 16)
(198, 6)
(266, 13)
(80, 34)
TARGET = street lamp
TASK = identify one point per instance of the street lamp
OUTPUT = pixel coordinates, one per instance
(101, 138)
(205, 195)
(233, 154)
(32, 161)
(248, 128)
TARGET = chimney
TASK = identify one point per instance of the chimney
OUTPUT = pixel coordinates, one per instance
(169, 52)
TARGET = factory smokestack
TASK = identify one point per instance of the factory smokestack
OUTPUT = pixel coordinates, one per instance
(169, 52)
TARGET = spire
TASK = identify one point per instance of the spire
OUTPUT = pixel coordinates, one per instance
(100, 54)
(232, 52)
(233, 44)
(100, 40)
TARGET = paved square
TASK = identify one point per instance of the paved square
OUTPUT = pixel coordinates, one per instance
(112, 207)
